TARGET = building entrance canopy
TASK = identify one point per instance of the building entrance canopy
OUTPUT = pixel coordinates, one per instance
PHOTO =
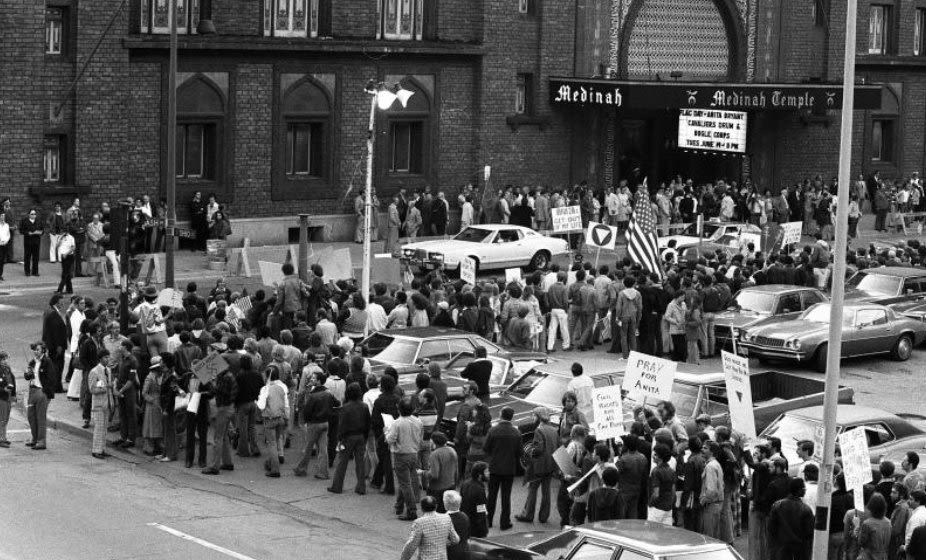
(592, 93)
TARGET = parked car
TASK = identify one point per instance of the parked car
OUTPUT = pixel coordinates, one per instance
(888, 434)
(897, 286)
(718, 233)
(604, 540)
(410, 351)
(505, 370)
(751, 306)
(492, 246)
(868, 329)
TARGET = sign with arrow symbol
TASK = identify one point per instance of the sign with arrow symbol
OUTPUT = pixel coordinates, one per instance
(602, 236)
(736, 375)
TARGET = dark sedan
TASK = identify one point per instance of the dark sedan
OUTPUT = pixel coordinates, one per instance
(896, 286)
(604, 540)
(753, 305)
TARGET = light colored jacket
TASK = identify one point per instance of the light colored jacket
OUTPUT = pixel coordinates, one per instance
(675, 316)
(99, 382)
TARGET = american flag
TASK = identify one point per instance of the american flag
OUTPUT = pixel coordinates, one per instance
(244, 303)
(642, 243)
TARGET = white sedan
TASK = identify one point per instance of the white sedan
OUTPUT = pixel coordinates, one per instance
(492, 246)
(721, 233)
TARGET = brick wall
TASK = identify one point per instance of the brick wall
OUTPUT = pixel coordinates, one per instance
(459, 21)
(353, 19)
(22, 99)
(237, 17)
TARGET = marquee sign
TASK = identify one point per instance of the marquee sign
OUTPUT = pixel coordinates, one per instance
(719, 131)
(589, 92)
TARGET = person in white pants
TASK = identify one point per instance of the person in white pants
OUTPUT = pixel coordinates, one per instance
(56, 226)
(559, 319)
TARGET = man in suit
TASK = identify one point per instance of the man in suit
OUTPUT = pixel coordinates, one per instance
(503, 448)
(55, 337)
(431, 534)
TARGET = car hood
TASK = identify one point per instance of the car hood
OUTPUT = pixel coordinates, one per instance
(738, 319)
(789, 329)
(680, 241)
(497, 401)
(442, 245)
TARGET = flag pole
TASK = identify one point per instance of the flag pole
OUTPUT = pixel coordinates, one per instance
(834, 349)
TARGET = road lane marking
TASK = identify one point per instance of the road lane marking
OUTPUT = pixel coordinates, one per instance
(199, 541)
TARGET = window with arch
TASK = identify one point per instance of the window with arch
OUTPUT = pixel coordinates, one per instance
(408, 134)
(200, 116)
(302, 144)
(884, 125)
(295, 18)
(406, 20)
(155, 16)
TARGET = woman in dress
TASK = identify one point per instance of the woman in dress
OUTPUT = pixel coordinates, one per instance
(152, 428)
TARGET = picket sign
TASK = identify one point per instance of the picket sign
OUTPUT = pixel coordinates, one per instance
(238, 264)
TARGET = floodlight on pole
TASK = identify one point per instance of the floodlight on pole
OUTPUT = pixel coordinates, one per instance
(381, 97)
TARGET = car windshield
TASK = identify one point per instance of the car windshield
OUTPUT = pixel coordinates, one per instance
(709, 230)
(474, 235)
(875, 283)
(790, 430)
(820, 313)
(754, 302)
(399, 351)
(725, 554)
(540, 388)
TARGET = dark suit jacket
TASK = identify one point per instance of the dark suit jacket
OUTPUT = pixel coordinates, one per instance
(48, 377)
(459, 551)
(440, 396)
(54, 331)
(503, 447)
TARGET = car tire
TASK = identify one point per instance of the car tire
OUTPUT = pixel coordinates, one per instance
(540, 261)
(819, 359)
(903, 348)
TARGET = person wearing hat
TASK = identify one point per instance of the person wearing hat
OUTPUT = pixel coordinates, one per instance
(151, 322)
(152, 429)
(541, 467)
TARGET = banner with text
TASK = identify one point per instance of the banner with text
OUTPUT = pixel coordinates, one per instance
(707, 129)
(739, 393)
(791, 232)
(649, 378)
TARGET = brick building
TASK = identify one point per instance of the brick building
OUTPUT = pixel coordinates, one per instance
(272, 113)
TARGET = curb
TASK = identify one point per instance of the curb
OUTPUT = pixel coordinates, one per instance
(54, 423)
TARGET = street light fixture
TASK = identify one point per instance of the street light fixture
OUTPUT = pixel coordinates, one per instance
(383, 97)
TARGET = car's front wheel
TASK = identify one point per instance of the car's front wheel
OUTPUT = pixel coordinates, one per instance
(903, 348)
(540, 261)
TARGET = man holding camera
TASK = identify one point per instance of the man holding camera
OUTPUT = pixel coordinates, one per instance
(41, 376)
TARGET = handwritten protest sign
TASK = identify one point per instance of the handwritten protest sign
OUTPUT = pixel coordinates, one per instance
(565, 463)
(270, 273)
(856, 463)
(566, 219)
(468, 270)
(648, 377)
(513, 275)
(607, 412)
(170, 297)
(209, 367)
(739, 393)
(791, 232)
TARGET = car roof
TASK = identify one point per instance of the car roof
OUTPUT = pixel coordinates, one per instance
(652, 537)
(900, 271)
(426, 332)
(595, 367)
(496, 227)
(852, 305)
(845, 413)
(777, 288)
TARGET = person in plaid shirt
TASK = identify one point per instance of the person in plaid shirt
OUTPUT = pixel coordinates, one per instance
(431, 534)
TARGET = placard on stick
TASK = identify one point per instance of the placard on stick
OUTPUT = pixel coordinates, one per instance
(566, 219)
(513, 275)
(649, 378)
(607, 412)
(169, 297)
(209, 367)
(856, 463)
(468, 270)
(739, 393)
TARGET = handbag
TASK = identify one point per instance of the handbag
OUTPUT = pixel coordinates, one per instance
(193, 404)
(182, 403)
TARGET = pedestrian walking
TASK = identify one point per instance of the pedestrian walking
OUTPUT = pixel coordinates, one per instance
(354, 426)
(275, 413)
(541, 467)
(404, 439)
(224, 390)
(473, 500)
(250, 384)
(791, 525)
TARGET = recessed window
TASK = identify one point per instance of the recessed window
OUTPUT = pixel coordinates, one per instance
(882, 140)
(819, 13)
(401, 19)
(524, 95)
(304, 149)
(292, 18)
(195, 150)
(879, 29)
(407, 146)
(526, 6)
(52, 160)
(155, 16)
(54, 30)
(919, 25)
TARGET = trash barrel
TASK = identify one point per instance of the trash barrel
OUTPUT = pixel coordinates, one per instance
(215, 252)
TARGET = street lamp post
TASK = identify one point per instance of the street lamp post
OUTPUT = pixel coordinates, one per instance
(381, 97)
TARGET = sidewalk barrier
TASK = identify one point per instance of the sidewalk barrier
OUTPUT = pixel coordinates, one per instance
(238, 263)
(151, 269)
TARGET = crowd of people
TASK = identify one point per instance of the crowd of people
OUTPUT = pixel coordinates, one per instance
(78, 239)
